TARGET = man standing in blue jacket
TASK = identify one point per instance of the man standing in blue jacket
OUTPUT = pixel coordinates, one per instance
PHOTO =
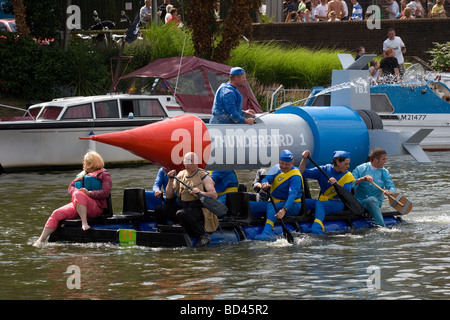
(365, 192)
(227, 107)
(286, 187)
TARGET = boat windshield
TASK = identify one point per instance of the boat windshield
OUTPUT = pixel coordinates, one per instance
(34, 111)
(51, 113)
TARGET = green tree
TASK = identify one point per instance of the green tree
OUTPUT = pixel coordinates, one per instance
(213, 42)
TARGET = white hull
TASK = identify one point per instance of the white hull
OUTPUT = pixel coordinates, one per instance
(437, 140)
(32, 148)
(53, 141)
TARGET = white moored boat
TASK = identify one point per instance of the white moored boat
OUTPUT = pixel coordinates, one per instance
(49, 135)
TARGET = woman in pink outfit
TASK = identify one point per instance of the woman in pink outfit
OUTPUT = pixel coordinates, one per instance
(89, 190)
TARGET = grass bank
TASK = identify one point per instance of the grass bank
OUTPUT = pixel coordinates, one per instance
(293, 67)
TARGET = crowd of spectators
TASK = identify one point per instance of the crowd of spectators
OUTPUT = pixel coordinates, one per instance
(341, 10)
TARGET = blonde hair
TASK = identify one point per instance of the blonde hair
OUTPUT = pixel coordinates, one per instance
(93, 161)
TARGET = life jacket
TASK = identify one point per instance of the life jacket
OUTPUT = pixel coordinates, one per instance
(89, 181)
(283, 177)
(330, 193)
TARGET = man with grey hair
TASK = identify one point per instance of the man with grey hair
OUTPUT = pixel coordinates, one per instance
(146, 13)
(184, 206)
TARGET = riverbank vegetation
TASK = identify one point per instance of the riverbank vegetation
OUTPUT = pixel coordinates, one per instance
(38, 72)
(32, 71)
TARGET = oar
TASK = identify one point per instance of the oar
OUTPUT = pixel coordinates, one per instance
(397, 201)
(287, 234)
(346, 196)
(213, 205)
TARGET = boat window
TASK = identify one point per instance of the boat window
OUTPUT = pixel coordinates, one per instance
(50, 113)
(215, 80)
(126, 106)
(381, 103)
(34, 111)
(107, 109)
(3, 27)
(322, 100)
(191, 83)
(150, 108)
(82, 111)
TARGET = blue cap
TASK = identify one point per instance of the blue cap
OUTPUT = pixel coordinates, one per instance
(237, 71)
(286, 156)
(343, 154)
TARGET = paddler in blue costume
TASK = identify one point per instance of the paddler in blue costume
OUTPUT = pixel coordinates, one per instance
(161, 181)
(227, 107)
(329, 202)
(365, 192)
(286, 187)
(225, 181)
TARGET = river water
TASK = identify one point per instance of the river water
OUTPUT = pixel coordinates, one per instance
(409, 261)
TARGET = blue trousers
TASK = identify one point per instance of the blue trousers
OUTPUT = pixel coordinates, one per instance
(372, 205)
(293, 210)
(322, 209)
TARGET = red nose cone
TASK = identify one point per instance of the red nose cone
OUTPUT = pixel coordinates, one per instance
(164, 143)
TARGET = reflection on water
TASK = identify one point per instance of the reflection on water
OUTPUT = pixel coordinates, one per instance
(410, 261)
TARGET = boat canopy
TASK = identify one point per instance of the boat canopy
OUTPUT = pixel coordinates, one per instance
(196, 82)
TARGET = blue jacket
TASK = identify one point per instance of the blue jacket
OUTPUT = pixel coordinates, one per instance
(161, 181)
(344, 179)
(227, 107)
(225, 181)
(285, 186)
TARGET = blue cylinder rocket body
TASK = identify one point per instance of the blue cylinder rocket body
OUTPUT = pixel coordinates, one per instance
(321, 130)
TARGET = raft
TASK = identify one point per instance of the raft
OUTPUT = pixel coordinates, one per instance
(136, 225)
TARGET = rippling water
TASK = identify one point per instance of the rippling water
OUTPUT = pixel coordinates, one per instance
(409, 261)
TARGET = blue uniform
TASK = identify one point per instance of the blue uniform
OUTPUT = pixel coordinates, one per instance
(225, 181)
(161, 181)
(286, 190)
(227, 107)
(329, 202)
(370, 196)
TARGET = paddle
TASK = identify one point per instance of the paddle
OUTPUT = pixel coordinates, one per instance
(208, 202)
(286, 233)
(397, 201)
(346, 196)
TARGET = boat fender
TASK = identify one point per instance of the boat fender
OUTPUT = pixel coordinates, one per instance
(446, 98)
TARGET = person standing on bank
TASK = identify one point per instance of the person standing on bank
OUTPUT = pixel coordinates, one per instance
(365, 192)
(329, 201)
(188, 209)
(145, 13)
(286, 187)
(227, 107)
(397, 44)
(89, 191)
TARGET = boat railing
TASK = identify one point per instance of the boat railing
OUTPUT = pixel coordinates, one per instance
(285, 94)
(20, 109)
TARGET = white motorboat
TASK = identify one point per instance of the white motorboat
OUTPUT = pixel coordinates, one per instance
(48, 136)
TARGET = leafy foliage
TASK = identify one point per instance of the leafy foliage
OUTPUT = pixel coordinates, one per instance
(440, 56)
(37, 72)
